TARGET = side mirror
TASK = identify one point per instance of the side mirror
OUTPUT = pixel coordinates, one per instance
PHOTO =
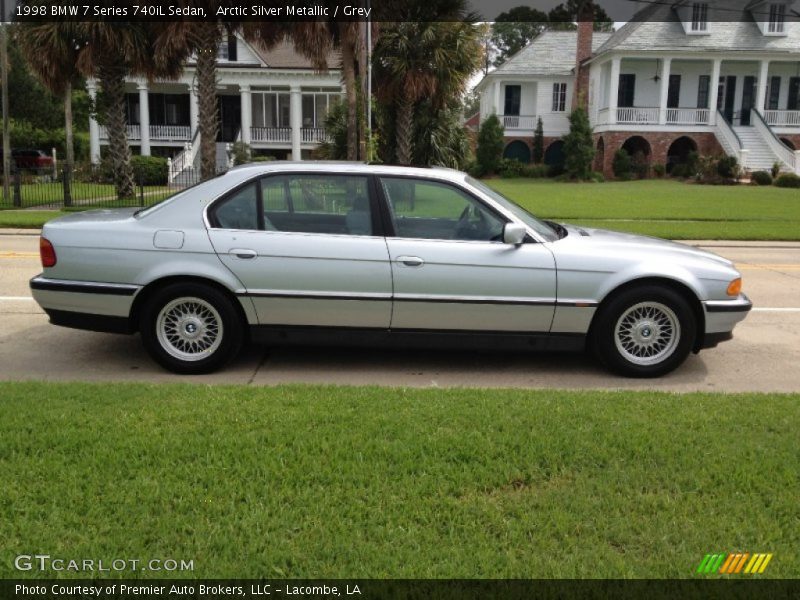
(514, 233)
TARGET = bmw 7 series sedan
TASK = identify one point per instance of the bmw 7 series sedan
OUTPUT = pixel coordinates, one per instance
(352, 254)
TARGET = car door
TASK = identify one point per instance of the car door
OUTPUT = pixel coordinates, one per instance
(451, 269)
(303, 245)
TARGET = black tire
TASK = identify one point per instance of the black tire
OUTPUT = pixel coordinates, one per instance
(209, 314)
(651, 312)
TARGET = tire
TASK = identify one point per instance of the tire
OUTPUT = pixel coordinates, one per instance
(645, 331)
(191, 328)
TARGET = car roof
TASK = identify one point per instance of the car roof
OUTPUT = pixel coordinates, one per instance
(331, 166)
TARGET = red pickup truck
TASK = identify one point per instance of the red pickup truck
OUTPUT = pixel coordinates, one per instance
(30, 159)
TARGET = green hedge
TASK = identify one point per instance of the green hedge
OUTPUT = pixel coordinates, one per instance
(150, 170)
(788, 180)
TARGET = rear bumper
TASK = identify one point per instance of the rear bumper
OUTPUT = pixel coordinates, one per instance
(91, 305)
(721, 317)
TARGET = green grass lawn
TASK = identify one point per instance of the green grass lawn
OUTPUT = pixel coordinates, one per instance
(664, 208)
(305, 481)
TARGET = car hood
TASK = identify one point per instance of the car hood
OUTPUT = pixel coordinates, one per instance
(629, 242)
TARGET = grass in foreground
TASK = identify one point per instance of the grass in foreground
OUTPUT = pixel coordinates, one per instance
(375, 482)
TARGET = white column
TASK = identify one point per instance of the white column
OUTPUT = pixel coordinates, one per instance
(666, 66)
(193, 111)
(714, 92)
(613, 90)
(94, 128)
(763, 76)
(144, 119)
(296, 119)
(247, 112)
(497, 110)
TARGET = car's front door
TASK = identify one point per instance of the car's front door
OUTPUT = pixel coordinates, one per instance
(451, 269)
(303, 246)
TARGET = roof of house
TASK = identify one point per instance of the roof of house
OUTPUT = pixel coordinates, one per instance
(551, 53)
(284, 56)
(658, 28)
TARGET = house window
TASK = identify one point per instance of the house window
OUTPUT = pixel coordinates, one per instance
(227, 49)
(626, 93)
(674, 91)
(700, 16)
(513, 100)
(703, 89)
(559, 97)
(777, 18)
(316, 107)
(774, 93)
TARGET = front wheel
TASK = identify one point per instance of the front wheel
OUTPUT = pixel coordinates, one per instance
(191, 328)
(644, 332)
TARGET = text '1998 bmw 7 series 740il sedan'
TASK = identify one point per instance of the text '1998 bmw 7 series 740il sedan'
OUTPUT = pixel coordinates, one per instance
(351, 254)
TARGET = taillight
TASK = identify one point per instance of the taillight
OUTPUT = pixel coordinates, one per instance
(47, 252)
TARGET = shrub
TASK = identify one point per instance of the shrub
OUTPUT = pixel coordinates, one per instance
(659, 170)
(538, 142)
(692, 163)
(728, 167)
(597, 177)
(776, 169)
(681, 170)
(262, 158)
(535, 171)
(490, 145)
(640, 165)
(149, 170)
(788, 180)
(622, 164)
(510, 168)
(579, 146)
(761, 178)
(240, 152)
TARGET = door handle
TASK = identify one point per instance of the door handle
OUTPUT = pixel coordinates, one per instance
(411, 261)
(243, 253)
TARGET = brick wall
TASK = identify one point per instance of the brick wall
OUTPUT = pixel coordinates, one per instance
(659, 142)
(528, 141)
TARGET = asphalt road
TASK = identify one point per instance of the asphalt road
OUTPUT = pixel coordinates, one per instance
(764, 356)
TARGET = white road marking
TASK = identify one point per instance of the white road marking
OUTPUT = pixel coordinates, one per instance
(763, 309)
(15, 298)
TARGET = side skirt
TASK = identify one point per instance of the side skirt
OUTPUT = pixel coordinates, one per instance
(277, 335)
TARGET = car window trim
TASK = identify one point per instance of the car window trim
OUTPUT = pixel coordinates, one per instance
(390, 232)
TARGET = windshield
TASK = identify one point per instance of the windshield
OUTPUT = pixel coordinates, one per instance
(547, 232)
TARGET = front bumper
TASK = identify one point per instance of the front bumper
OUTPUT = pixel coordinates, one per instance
(722, 316)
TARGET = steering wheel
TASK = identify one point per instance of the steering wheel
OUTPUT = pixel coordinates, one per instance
(471, 230)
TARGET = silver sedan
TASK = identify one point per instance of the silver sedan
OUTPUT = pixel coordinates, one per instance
(344, 254)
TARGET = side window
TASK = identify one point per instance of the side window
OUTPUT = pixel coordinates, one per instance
(237, 211)
(423, 209)
(337, 204)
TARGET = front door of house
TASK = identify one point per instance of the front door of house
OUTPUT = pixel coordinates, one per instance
(728, 96)
(230, 118)
(748, 99)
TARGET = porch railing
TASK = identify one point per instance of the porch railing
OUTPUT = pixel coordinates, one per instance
(688, 116)
(730, 140)
(170, 132)
(782, 118)
(787, 156)
(313, 134)
(271, 134)
(638, 116)
(519, 121)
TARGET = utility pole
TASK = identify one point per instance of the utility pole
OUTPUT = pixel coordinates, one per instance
(4, 76)
(369, 82)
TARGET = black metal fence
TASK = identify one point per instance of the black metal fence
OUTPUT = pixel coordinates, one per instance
(87, 187)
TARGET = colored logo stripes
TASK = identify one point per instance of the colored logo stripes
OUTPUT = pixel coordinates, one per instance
(735, 562)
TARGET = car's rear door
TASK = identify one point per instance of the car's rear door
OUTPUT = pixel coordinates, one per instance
(451, 269)
(308, 253)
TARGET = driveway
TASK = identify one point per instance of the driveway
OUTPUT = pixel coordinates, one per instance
(764, 356)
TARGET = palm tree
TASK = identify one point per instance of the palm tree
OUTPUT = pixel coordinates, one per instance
(51, 50)
(110, 52)
(419, 59)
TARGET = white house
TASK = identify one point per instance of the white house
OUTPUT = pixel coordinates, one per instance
(709, 76)
(273, 100)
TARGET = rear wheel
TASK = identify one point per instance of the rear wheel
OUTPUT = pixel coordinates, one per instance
(191, 328)
(646, 331)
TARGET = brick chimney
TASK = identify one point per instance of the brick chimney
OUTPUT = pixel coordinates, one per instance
(584, 51)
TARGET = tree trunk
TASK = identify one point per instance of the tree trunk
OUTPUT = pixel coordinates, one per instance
(112, 80)
(207, 113)
(70, 148)
(404, 130)
(349, 76)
